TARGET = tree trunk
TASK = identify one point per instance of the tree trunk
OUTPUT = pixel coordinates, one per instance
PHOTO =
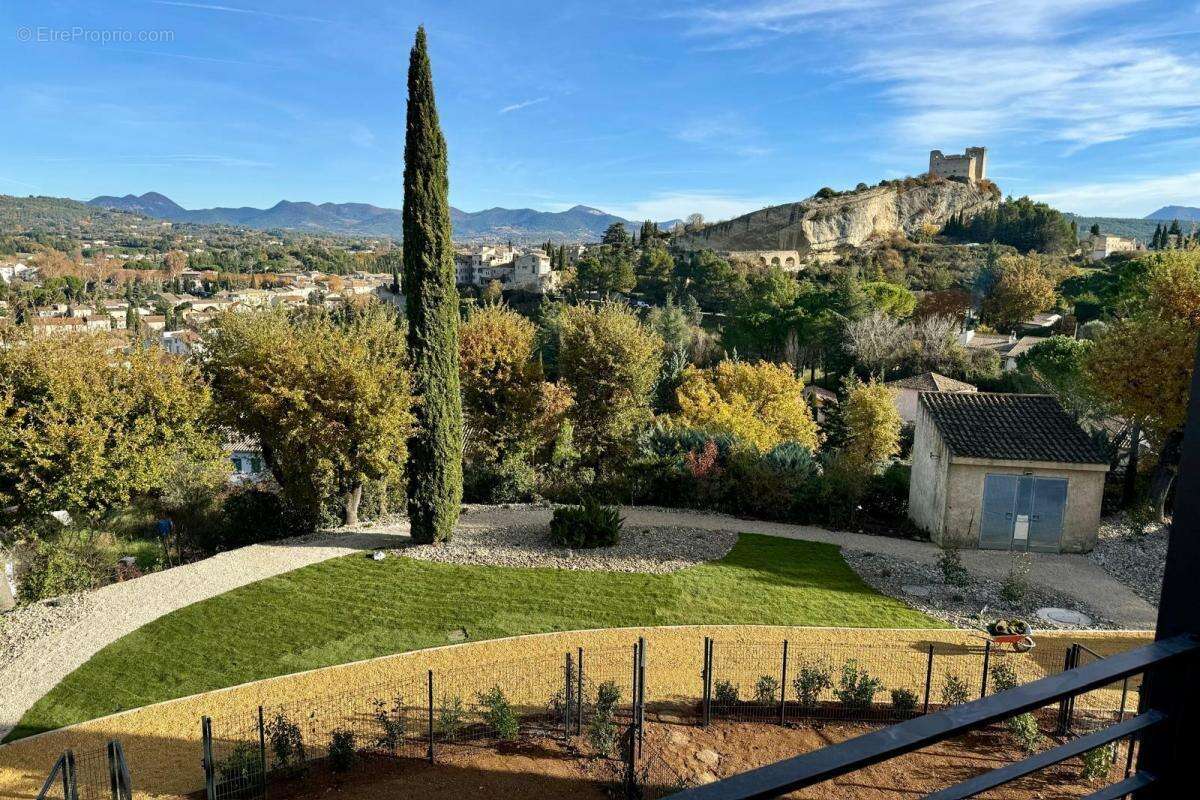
(1129, 489)
(350, 505)
(1164, 473)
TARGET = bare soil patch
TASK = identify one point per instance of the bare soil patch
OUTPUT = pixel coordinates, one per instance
(677, 756)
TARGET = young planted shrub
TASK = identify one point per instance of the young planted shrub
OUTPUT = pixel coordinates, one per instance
(856, 689)
(390, 722)
(954, 690)
(286, 743)
(450, 717)
(810, 681)
(727, 693)
(587, 525)
(953, 571)
(1024, 728)
(766, 689)
(904, 701)
(1004, 677)
(498, 714)
(602, 731)
(1097, 763)
(241, 767)
(343, 749)
(1016, 582)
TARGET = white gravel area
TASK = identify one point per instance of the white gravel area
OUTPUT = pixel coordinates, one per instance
(1137, 562)
(922, 587)
(641, 549)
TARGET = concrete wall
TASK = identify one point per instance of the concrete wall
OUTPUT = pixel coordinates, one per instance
(1081, 519)
(907, 403)
(928, 478)
(162, 741)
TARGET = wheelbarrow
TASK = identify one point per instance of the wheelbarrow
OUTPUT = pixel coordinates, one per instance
(1016, 633)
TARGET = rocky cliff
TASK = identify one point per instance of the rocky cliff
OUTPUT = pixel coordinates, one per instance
(821, 225)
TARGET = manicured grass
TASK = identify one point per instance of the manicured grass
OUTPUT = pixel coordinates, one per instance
(353, 608)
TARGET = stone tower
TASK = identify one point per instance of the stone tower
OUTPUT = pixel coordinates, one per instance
(970, 166)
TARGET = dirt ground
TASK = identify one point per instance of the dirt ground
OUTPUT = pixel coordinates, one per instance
(676, 756)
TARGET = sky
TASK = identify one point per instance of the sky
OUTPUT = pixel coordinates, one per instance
(644, 109)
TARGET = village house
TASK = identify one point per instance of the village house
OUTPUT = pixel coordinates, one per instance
(906, 391)
(1099, 246)
(531, 272)
(1004, 472)
(53, 326)
(181, 343)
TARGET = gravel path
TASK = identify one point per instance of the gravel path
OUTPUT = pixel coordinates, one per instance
(41, 645)
(1138, 563)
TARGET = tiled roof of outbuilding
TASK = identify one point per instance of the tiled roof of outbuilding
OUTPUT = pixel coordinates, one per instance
(1009, 427)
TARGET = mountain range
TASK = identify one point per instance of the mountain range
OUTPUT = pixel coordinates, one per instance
(1181, 213)
(579, 223)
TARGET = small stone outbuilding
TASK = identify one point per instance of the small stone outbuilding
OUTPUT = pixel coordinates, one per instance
(907, 391)
(1004, 472)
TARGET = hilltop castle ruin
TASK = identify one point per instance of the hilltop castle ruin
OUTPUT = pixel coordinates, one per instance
(971, 165)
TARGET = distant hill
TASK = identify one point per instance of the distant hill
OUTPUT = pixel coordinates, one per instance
(580, 223)
(1181, 213)
(58, 215)
(1131, 228)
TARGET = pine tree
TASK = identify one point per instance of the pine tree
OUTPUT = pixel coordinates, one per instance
(1156, 240)
(436, 444)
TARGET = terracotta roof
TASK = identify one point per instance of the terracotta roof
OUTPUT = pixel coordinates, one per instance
(931, 382)
(1010, 427)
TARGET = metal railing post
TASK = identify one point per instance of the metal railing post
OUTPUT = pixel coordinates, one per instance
(783, 684)
(1064, 704)
(928, 679)
(114, 786)
(70, 783)
(641, 707)
(568, 695)
(579, 695)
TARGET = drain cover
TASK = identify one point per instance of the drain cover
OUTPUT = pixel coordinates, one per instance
(1064, 616)
(917, 591)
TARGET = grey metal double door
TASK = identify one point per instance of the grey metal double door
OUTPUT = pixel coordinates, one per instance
(1022, 512)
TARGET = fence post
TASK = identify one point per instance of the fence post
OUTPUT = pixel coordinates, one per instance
(568, 695)
(113, 782)
(579, 695)
(783, 685)
(641, 707)
(262, 751)
(1064, 708)
(210, 780)
(70, 783)
(928, 678)
(987, 655)
(1124, 699)
(708, 654)
(430, 675)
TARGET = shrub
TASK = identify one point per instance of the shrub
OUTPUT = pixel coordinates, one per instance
(390, 722)
(498, 714)
(856, 688)
(602, 732)
(587, 525)
(1097, 763)
(953, 571)
(450, 717)
(286, 743)
(1004, 677)
(904, 701)
(61, 567)
(1138, 519)
(954, 690)
(1025, 730)
(241, 767)
(250, 516)
(343, 751)
(1016, 582)
(511, 480)
(766, 689)
(727, 693)
(791, 457)
(810, 681)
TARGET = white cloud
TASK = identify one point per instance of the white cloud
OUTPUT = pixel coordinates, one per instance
(726, 133)
(677, 205)
(523, 104)
(233, 10)
(953, 70)
(1134, 197)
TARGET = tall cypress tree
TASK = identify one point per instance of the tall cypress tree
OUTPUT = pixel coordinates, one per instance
(435, 447)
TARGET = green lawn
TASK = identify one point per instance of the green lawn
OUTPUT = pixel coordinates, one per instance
(353, 608)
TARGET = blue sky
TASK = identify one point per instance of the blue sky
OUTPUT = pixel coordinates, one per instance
(644, 109)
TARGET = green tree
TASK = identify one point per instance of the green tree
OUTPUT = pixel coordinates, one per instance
(890, 298)
(610, 360)
(436, 445)
(607, 272)
(85, 430)
(1021, 288)
(655, 273)
(616, 235)
(764, 314)
(326, 396)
